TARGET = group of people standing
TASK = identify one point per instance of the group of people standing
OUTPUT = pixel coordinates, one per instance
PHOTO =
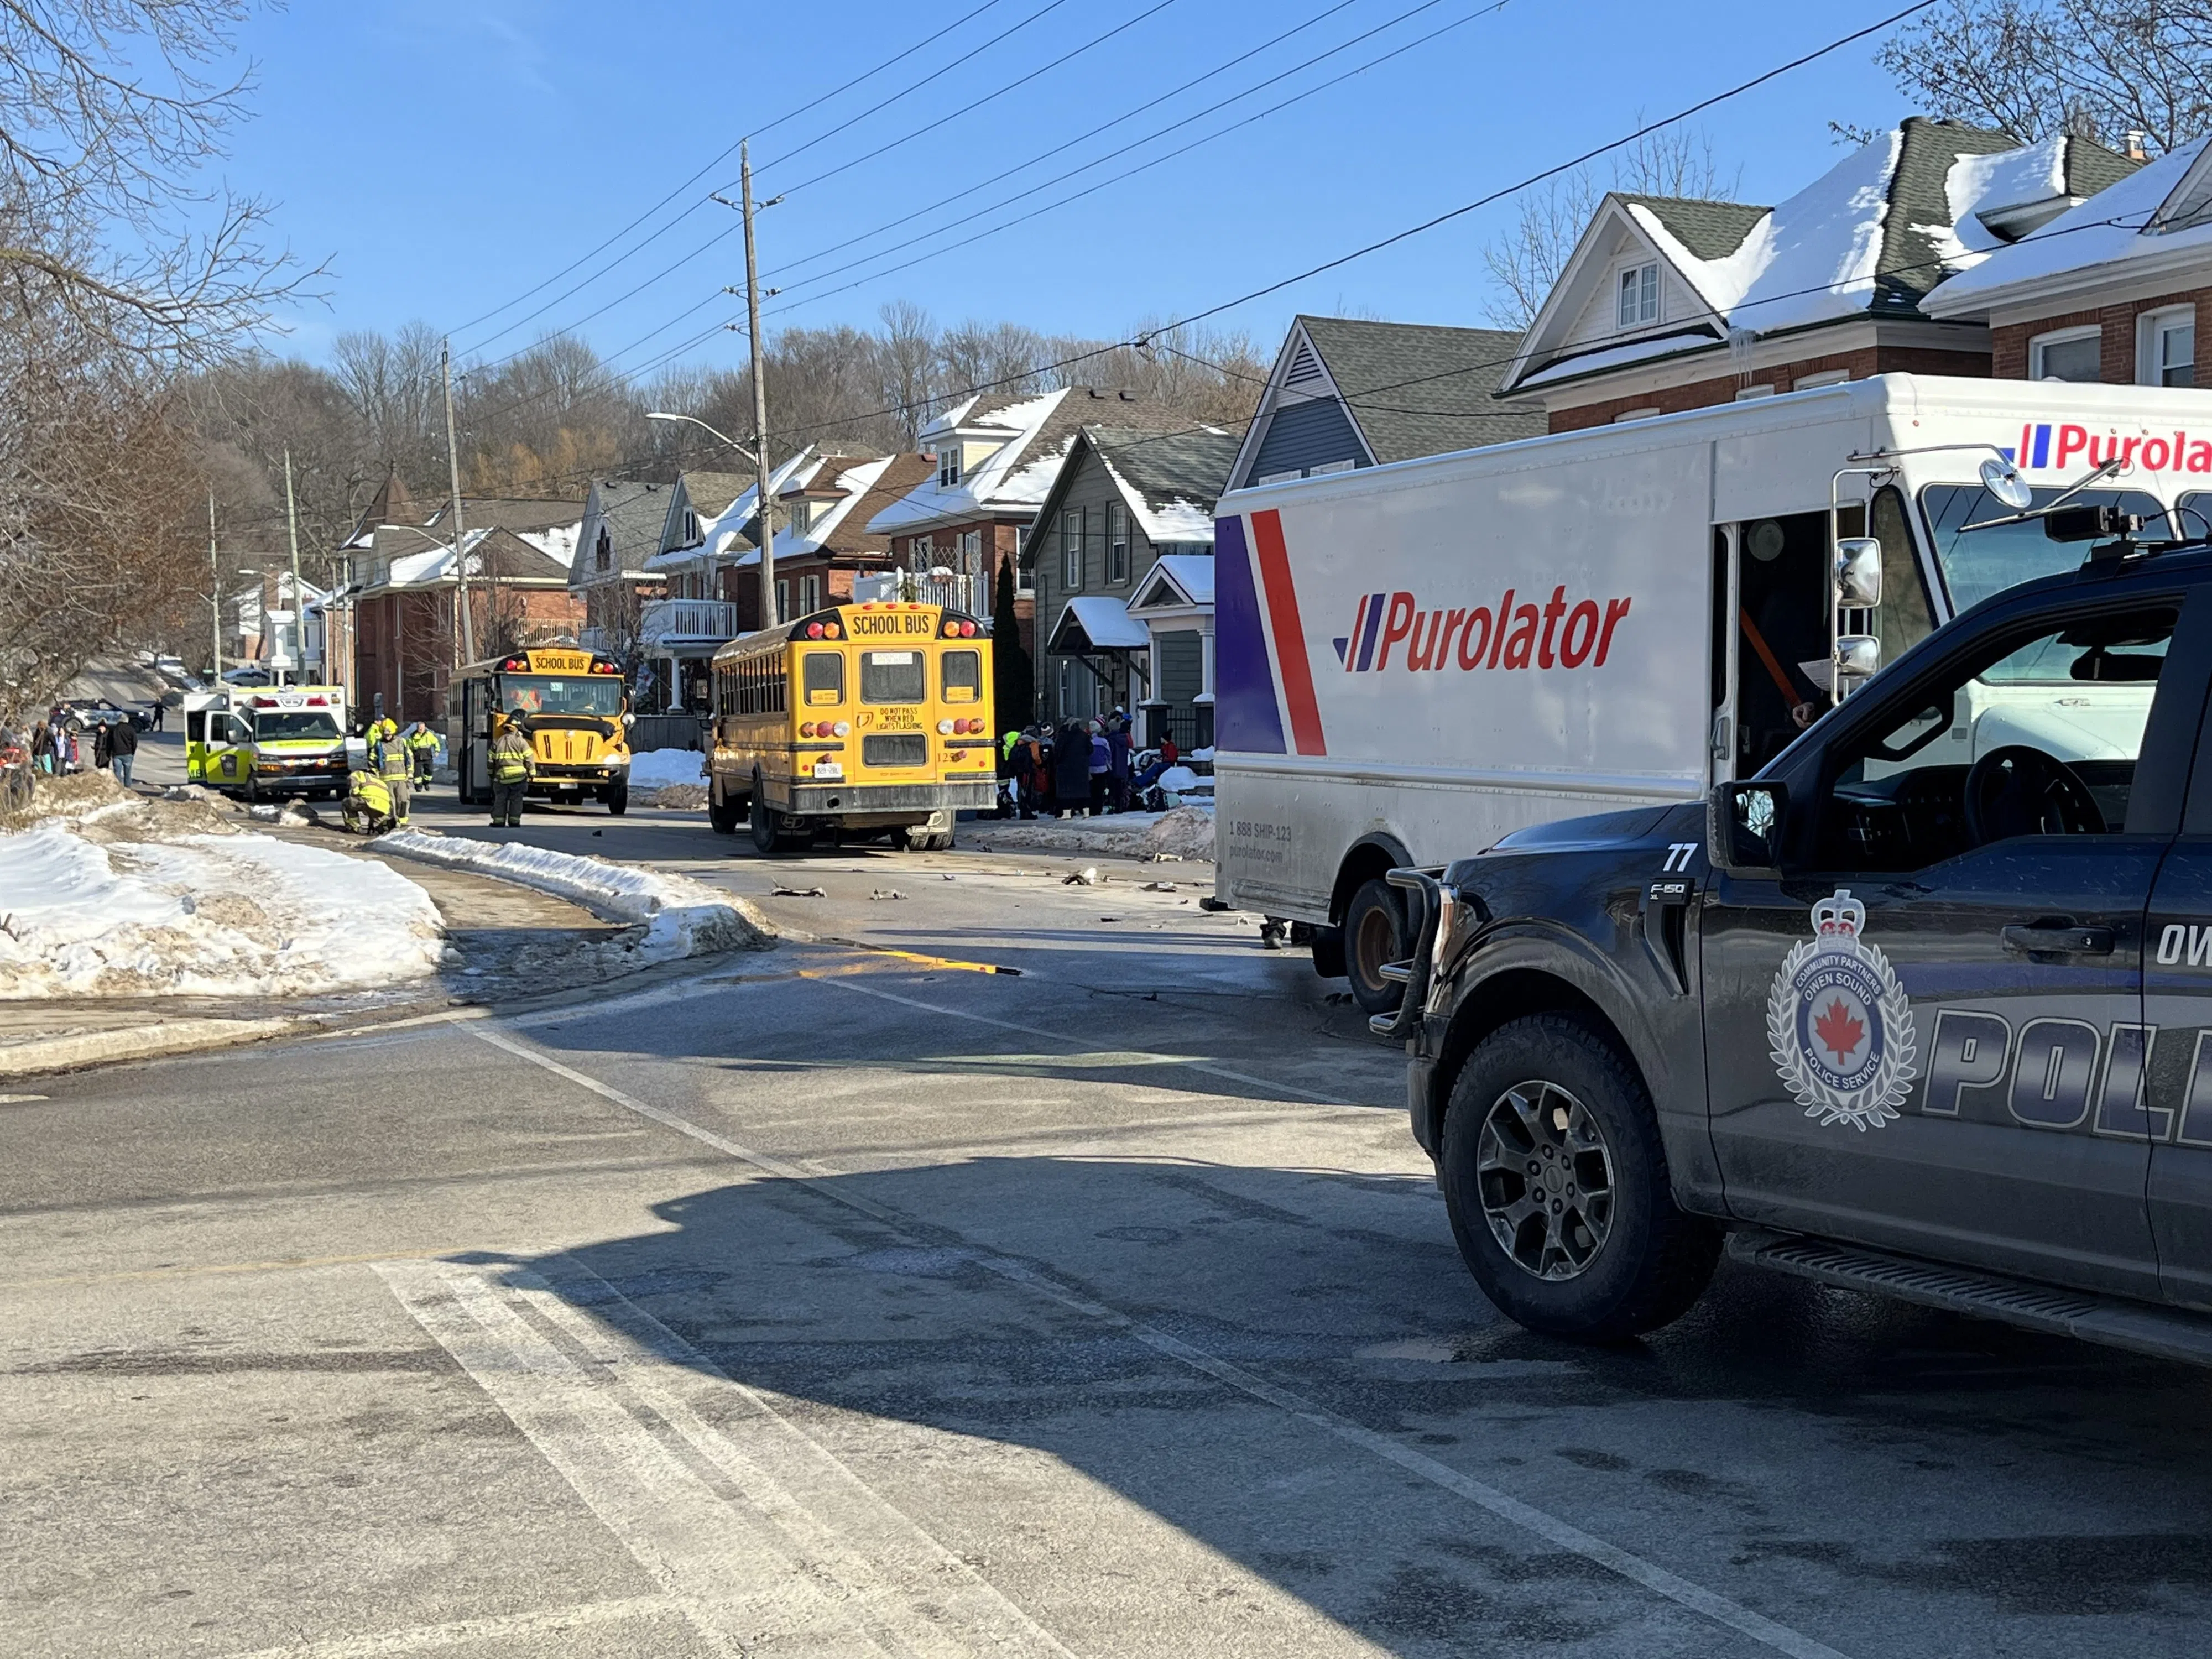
(1083, 765)
(56, 748)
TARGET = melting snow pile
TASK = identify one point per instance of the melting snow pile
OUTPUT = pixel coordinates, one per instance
(1185, 832)
(669, 777)
(681, 917)
(204, 915)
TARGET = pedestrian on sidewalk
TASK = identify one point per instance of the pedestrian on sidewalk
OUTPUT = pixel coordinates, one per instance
(512, 766)
(1118, 760)
(160, 709)
(1101, 769)
(122, 751)
(1070, 769)
(42, 748)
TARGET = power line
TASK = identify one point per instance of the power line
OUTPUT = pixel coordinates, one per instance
(1142, 167)
(929, 127)
(716, 160)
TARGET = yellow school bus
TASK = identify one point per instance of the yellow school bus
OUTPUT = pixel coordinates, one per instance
(872, 718)
(571, 707)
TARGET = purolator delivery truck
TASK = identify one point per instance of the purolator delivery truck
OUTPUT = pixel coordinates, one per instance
(1415, 659)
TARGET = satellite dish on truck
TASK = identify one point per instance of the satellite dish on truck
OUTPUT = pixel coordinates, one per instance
(2002, 480)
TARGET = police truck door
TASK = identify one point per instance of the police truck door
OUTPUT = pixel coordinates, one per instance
(1927, 1034)
(2177, 1114)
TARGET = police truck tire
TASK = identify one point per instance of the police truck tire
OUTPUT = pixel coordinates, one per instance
(1374, 933)
(1556, 1181)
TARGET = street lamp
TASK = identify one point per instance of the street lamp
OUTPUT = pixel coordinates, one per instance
(769, 614)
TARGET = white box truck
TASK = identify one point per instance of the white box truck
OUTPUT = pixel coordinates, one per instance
(1415, 659)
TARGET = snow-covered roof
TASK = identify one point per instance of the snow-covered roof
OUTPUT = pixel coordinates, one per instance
(1009, 478)
(2145, 222)
(435, 564)
(1871, 237)
(726, 531)
(854, 480)
(1105, 624)
(1176, 580)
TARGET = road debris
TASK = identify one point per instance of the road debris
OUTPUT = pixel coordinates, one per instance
(887, 893)
(799, 892)
(1086, 877)
(1158, 887)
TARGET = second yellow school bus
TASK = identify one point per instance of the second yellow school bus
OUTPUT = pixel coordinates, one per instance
(862, 717)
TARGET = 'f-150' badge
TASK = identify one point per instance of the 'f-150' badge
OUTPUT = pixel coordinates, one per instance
(1839, 1024)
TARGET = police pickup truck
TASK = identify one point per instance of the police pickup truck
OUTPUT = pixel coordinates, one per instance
(1924, 1008)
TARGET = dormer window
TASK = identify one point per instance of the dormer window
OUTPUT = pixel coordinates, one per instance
(948, 467)
(802, 514)
(690, 528)
(602, 550)
(1640, 295)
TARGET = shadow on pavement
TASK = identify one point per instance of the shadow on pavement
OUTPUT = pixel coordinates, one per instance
(870, 1297)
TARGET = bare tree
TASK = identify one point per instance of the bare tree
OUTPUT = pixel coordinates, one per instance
(1527, 261)
(2033, 67)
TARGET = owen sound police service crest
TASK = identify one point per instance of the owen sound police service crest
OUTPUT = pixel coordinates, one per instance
(1839, 1022)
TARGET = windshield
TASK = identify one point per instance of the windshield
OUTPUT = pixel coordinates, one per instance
(1977, 563)
(544, 694)
(270, 725)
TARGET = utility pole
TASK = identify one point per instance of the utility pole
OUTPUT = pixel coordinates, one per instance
(770, 614)
(299, 605)
(214, 586)
(465, 637)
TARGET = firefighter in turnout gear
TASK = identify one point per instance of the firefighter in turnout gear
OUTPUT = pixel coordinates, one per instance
(367, 804)
(423, 749)
(512, 766)
(396, 768)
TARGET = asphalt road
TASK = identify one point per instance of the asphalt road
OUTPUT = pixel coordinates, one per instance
(831, 1301)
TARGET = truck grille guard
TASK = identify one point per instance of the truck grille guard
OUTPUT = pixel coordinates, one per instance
(1414, 972)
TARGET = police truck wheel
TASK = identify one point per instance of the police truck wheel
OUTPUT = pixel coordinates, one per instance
(1556, 1182)
(1374, 933)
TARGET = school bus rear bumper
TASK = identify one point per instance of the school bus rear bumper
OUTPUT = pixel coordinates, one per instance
(847, 799)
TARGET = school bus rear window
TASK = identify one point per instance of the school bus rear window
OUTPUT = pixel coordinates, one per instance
(964, 676)
(824, 675)
(892, 677)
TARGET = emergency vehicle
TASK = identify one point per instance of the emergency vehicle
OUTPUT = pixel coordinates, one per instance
(1418, 659)
(1925, 1008)
(263, 742)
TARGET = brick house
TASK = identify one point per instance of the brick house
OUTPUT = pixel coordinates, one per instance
(1122, 562)
(823, 538)
(406, 612)
(1668, 304)
(996, 455)
(2117, 289)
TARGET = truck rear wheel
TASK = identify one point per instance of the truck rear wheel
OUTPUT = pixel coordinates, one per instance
(1374, 933)
(721, 815)
(1556, 1181)
(771, 829)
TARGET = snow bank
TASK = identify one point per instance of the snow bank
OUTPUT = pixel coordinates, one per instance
(203, 916)
(656, 768)
(682, 917)
(1185, 832)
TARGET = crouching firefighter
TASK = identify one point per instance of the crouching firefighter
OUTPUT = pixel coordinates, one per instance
(512, 766)
(368, 806)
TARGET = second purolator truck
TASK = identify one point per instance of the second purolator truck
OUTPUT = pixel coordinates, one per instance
(1416, 659)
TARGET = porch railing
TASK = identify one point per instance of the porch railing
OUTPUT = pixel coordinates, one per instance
(688, 619)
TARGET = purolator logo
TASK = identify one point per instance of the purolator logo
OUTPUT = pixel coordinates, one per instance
(2063, 444)
(1559, 633)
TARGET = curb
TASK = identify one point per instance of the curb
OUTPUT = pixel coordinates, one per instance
(176, 1036)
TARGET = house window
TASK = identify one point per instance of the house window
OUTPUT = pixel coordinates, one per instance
(602, 550)
(1071, 547)
(1635, 414)
(782, 600)
(2165, 353)
(1747, 393)
(948, 467)
(691, 537)
(1640, 295)
(1117, 543)
(2069, 355)
(1825, 377)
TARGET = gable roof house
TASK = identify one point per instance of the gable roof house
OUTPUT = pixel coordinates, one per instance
(1346, 394)
(1669, 304)
(823, 540)
(1121, 560)
(997, 454)
(2118, 288)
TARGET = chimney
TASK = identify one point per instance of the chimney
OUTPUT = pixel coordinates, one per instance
(2136, 151)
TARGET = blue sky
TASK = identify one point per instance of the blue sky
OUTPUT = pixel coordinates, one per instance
(447, 155)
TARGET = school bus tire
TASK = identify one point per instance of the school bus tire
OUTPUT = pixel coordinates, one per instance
(771, 829)
(617, 797)
(722, 814)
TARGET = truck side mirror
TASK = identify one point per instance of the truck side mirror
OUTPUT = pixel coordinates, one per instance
(1743, 827)
(1858, 572)
(1857, 656)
